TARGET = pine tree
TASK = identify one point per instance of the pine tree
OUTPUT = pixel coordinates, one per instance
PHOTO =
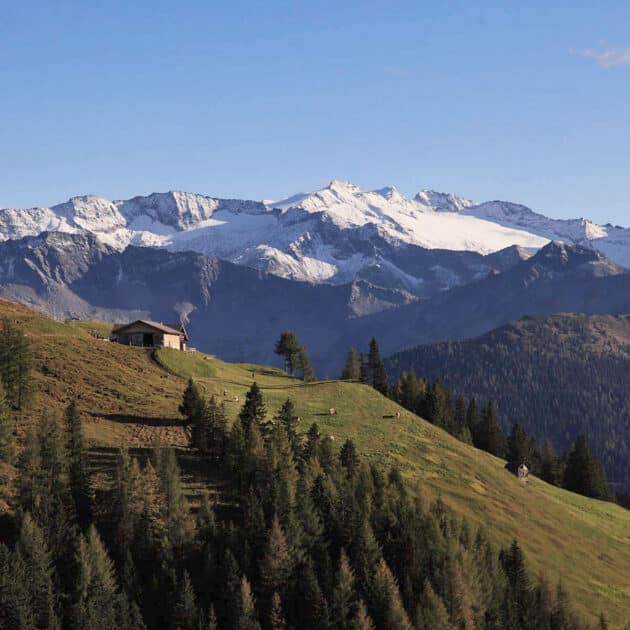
(583, 473)
(472, 418)
(352, 368)
(7, 446)
(377, 369)
(79, 480)
(288, 347)
(304, 366)
(388, 608)
(191, 401)
(253, 410)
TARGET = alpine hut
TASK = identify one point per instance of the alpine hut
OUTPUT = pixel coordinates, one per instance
(149, 334)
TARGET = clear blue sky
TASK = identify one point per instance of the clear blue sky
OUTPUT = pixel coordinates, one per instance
(263, 99)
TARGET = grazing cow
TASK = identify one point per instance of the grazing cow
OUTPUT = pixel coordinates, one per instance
(523, 473)
(398, 415)
(333, 411)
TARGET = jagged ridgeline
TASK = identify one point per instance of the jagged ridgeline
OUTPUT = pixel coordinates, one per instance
(369, 520)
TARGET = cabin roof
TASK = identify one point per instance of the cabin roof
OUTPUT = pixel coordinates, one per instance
(169, 329)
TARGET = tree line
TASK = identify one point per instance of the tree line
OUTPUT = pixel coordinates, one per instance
(314, 537)
(576, 469)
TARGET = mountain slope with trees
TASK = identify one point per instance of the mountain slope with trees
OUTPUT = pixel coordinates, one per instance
(559, 376)
(126, 399)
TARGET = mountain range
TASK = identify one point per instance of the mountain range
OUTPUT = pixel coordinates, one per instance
(337, 266)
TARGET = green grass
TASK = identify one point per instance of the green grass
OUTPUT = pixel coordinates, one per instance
(127, 399)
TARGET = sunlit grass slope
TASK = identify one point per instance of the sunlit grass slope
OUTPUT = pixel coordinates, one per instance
(128, 399)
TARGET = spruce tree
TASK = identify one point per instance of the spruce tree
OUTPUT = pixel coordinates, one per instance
(349, 458)
(489, 435)
(431, 613)
(253, 410)
(549, 466)
(191, 401)
(288, 347)
(15, 365)
(518, 446)
(362, 621)
(376, 367)
(352, 368)
(276, 615)
(286, 416)
(583, 473)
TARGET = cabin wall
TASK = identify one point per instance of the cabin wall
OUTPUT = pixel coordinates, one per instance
(171, 341)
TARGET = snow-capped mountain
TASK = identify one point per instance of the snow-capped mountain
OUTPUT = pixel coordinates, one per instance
(334, 235)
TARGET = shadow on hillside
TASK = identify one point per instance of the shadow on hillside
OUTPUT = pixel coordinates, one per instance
(199, 476)
(143, 420)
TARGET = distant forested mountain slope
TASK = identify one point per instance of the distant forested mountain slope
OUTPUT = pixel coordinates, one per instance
(560, 376)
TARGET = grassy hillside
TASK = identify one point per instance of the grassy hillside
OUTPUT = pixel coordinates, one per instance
(129, 399)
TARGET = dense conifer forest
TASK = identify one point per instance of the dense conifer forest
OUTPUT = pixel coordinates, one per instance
(314, 537)
(558, 377)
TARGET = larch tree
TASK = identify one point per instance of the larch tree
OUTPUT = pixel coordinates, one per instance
(289, 348)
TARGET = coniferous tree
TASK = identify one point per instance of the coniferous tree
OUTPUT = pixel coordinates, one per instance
(344, 597)
(186, 614)
(389, 611)
(549, 465)
(489, 436)
(288, 347)
(15, 365)
(97, 591)
(276, 615)
(247, 608)
(364, 370)
(286, 416)
(376, 367)
(191, 401)
(253, 410)
(7, 446)
(352, 368)
(362, 621)
(519, 446)
(34, 562)
(79, 480)
(276, 564)
(304, 366)
(349, 458)
(431, 613)
(583, 473)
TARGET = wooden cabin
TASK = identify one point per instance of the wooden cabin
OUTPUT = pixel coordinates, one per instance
(150, 334)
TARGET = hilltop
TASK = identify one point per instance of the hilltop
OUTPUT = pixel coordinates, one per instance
(128, 398)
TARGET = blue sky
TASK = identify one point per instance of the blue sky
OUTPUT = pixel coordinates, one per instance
(264, 99)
